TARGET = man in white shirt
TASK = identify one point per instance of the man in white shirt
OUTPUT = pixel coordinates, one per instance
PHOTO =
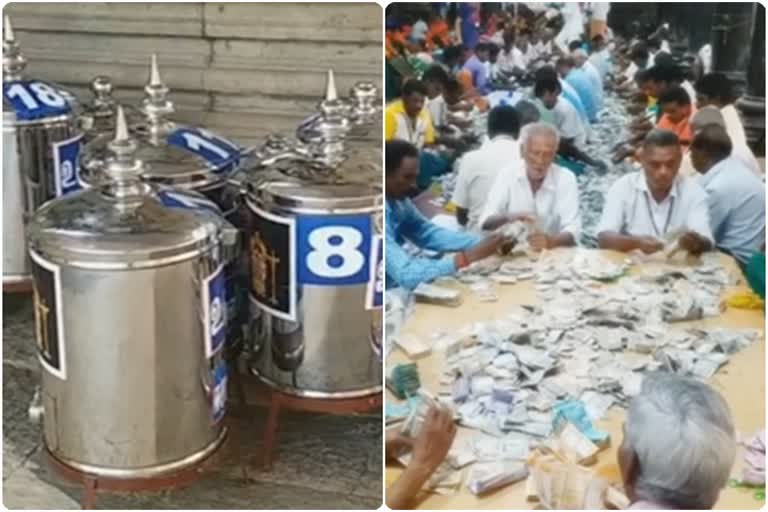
(435, 79)
(736, 197)
(511, 60)
(478, 169)
(715, 89)
(537, 191)
(565, 117)
(643, 208)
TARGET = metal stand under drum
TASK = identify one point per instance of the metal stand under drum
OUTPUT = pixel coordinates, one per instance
(21, 285)
(94, 483)
(279, 400)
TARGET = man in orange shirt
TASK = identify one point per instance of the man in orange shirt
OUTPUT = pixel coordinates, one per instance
(677, 111)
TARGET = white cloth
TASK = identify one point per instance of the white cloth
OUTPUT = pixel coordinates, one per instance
(508, 61)
(573, 27)
(555, 206)
(631, 70)
(735, 130)
(630, 209)
(437, 110)
(705, 55)
(478, 170)
(600, 10)
(690, 90)
(419, 31)
(569, 123)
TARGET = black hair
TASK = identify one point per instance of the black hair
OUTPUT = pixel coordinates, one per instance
(414, 86)
(452, 85)
(664, 59)
(675, 94)
(665, 73)
(503, 120)
(566, 60)
(452, 53)
(713, 140)
(493, 49)
(435, 73)
(546, 84)
(642, 76)
(716, 85)
(574, 45)
(480, 47)
(654, 43)
(545, 73)
(660, 138)
(395, 152)
(639, 51)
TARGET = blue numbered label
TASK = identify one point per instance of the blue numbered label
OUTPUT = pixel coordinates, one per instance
(66, 165)
(375, 292)
(177, 199)
(333, 250)
(36, 99)
(221, 153)
(219, 392)
(214, 311)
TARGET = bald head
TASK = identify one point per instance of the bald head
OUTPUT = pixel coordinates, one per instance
(710, 145)
(705, 116)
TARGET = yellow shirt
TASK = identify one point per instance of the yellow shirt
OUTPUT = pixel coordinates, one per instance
(397, 125)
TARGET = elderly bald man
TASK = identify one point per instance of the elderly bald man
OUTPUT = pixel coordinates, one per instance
(679, 445)
(537, 191)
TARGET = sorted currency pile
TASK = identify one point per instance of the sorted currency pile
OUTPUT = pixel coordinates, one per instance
(589, 342)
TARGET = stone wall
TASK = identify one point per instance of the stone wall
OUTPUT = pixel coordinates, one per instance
(243, 70)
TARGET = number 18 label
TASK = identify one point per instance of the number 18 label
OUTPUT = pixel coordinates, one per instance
(333, 250)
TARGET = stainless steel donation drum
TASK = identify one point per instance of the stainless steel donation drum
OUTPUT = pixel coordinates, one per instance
(313, 238)
(130, 321)
(40, 150)
(184, 158)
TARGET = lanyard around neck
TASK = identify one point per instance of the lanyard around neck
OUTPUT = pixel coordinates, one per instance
(661, 234)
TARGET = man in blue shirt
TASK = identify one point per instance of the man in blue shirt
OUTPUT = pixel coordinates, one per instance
(579, 80)
(468, 24)
(404, 222)
(476, 67)
(735, 195)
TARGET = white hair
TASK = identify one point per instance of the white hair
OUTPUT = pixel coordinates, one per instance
(538, 129)
(682, 433)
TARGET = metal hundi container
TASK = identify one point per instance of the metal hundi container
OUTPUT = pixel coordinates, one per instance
(313, 239)
(40, 150)
(181, 157)
(130, 321)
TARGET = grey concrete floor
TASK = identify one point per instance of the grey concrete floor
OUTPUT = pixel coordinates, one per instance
(321, 461)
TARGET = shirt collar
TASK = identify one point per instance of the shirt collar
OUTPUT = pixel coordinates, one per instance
(709, 176)
(549, 179)
(642, 185)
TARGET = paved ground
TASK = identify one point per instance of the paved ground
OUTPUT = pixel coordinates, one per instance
(322, 462)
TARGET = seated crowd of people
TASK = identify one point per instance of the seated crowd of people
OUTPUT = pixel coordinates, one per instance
(695, 181)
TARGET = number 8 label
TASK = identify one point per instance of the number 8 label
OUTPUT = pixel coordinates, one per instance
(333, 250)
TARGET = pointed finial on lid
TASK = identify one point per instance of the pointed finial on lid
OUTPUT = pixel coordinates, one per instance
(8, 30)
(154, 77)
(156, 105)
(330, 88)
(13, 61)
(121, 126)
